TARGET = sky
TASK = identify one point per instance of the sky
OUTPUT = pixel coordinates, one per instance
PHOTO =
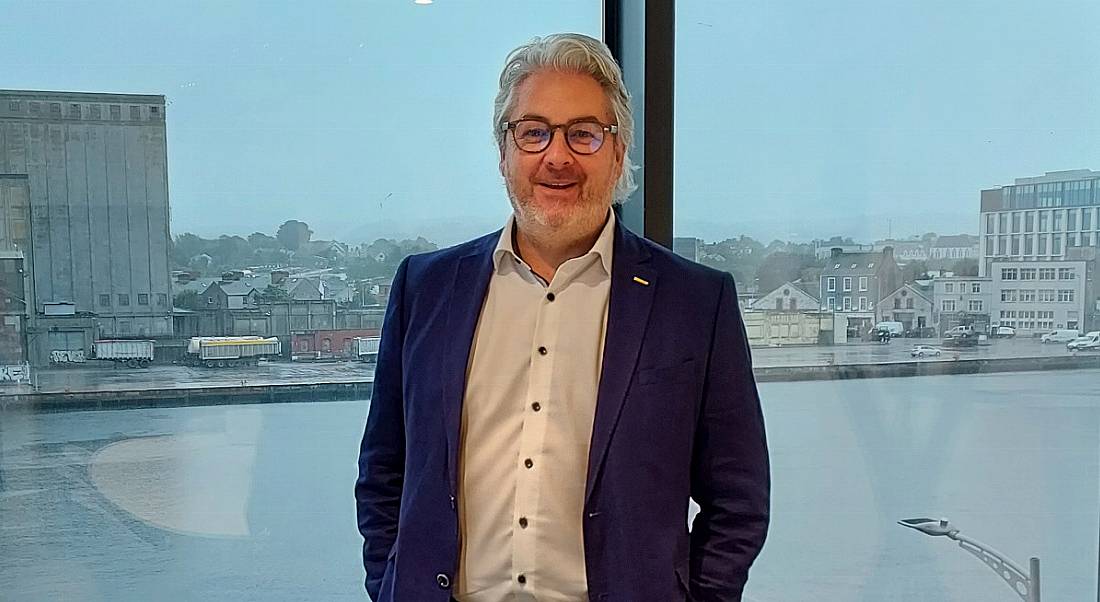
(794, 120)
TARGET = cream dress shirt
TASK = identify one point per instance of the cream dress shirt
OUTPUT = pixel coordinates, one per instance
(527, 415)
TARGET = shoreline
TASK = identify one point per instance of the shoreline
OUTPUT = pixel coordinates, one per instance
(160, 397)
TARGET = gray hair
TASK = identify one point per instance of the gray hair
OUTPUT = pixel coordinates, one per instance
(571, 53)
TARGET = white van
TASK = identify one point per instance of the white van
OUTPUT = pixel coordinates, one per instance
(1060, 335)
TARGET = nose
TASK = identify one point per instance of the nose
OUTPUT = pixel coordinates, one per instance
(558, 154)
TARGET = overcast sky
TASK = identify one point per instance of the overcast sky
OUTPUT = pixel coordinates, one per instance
(795, 119)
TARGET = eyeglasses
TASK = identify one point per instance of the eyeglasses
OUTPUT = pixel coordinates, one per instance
(584, 137)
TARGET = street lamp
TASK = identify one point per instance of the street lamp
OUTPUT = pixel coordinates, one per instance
(1024, 583)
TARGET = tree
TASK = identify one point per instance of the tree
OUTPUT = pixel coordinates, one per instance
(259, 240)
(293, 234)
(273, 294)
(778, 268)
(913, 270)
(186, 300)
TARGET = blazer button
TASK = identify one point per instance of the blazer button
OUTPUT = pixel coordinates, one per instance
(443, 580)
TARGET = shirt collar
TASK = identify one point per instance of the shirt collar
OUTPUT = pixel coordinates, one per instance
(602, 248)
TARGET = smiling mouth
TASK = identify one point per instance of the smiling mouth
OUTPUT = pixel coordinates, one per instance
(562, 186)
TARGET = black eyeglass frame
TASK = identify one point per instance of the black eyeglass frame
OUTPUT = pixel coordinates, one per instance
(610, 128)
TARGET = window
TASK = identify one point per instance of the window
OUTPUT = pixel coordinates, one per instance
(1027, 273)
(1046, 295)
(162, 299)
(1015, 245)
(14, 106)
(897, 303)
(948, 305)
(1003, 223)
(847, 304)
(909, 303)
(847, 284)
(104, 300)
(831, 284)
(1002, 245)
(74, 111)
(135, 113)
(989, 223)
(1016, 222)
(779, 303)
(974, 305)
(1008, 295)
(1009, 273)
(1027, 295)
(1042, 244)
(1029, 221)
(1029, 245)
(862, 283)
(989, 245)
(949, 287)
(1065, 295)
(55, 110)
(831, 303)
(1046, 273)
(975, 287)
(1043, 221)
(116, 112)
(1056, 244)
(1086, 219)
(1071, 219)
(143, 299)
(123, 299)
(1067, 274)
(1057, 221)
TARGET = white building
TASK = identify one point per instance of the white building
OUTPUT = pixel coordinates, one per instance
(962, 300)
(1037, 296)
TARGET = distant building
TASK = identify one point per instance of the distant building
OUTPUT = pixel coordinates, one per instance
(1037, 296)
(904, 250)
(962, 301)
(821, 251)
(852, 284)
(790, 296)
(962, 246)
(908, 305)
(1040, 218)
(96, 180)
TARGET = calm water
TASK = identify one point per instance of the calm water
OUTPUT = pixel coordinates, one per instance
(250, 503)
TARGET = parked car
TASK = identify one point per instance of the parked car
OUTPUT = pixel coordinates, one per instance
(925, 350)
(1060, 335)
(959, 331)
(1002, 332)
(1089, 342)
(923, 332)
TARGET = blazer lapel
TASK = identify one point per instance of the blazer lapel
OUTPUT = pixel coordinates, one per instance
(627, 315)
(463, 306)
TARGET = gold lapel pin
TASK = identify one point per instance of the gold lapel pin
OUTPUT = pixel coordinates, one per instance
(641, 282)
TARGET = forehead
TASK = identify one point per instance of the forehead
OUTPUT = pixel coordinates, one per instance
(560, 97)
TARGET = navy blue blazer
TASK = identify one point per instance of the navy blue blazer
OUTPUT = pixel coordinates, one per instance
(677, 415)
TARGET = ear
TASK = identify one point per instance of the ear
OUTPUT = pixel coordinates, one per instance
(501, 166)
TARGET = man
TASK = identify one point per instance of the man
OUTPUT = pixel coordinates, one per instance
(549, 396)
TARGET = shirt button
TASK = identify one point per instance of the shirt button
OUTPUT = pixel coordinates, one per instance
(443, 580)
(536, 406)
(522, 579)
(543, 351)
(523, 522)
(550, 297)
(528, 463)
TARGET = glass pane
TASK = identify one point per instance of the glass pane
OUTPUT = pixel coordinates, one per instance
(812, 143)
(209, 212)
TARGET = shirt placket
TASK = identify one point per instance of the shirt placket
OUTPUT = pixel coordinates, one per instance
(531, 459)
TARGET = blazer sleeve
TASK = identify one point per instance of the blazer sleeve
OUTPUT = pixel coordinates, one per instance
(382, 452)
(730, 475)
